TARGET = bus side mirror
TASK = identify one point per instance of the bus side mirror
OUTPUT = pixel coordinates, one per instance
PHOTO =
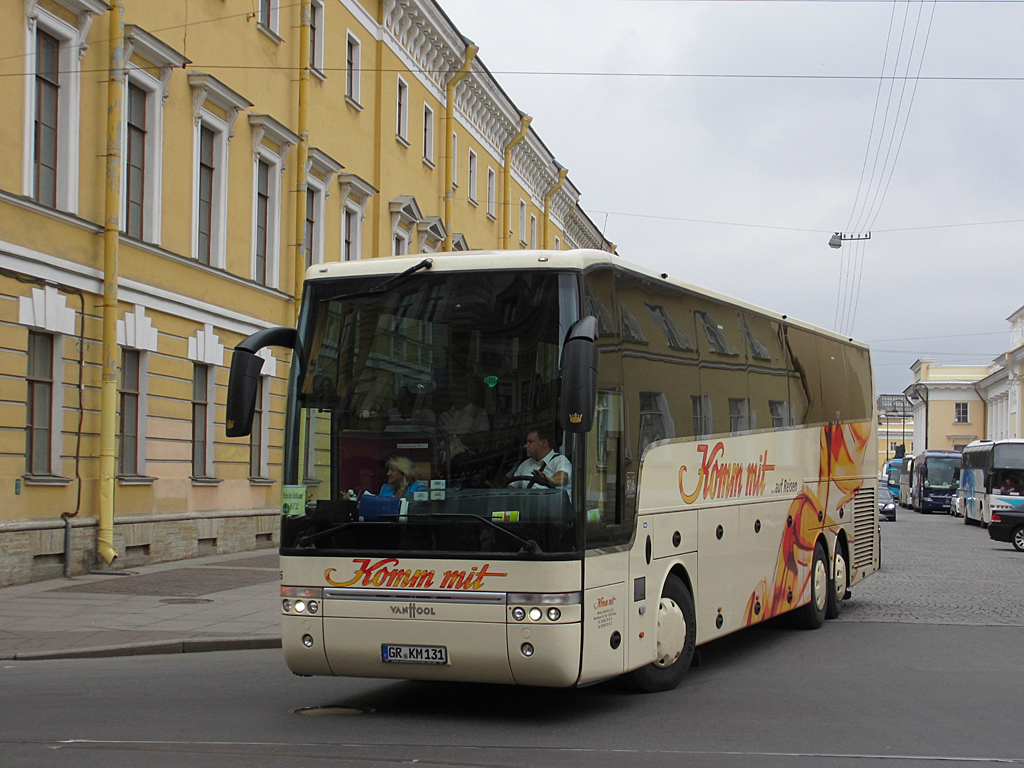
(579, 377)
(243, 380)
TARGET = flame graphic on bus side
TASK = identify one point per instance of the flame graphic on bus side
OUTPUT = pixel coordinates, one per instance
(841, 456)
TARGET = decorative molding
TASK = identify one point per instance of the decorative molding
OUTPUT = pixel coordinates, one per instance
(135, 331)
(205, 347)
(208, 88)
(47, 309)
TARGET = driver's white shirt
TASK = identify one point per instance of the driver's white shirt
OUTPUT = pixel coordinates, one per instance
(553, 463)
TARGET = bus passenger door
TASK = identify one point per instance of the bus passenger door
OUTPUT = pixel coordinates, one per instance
(608, 529)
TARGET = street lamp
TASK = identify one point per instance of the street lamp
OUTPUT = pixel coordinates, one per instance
(837, 240)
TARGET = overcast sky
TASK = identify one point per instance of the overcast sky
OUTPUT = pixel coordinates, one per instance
(737, 183)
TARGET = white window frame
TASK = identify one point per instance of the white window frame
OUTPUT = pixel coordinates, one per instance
(558, 243)
(522, 222)
(218, 212)
(428, 135)
(68, 106)
(957, 419)
(135, 331)
(471, 178)
(45, 310)
(353, 75)
(351, 231)
(316, 247)
(316, 52)
(273, 256)
(402, 112)
(153, 185)
(533, 232)
(204, 348)
(490, 193)
(400, 243)
(271, 24)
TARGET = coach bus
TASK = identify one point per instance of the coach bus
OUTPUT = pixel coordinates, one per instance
(891, 472)
(936, 474)
(991, 480)
(717, 469)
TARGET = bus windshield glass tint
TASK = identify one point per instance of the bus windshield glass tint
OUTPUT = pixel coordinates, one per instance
(413, 403)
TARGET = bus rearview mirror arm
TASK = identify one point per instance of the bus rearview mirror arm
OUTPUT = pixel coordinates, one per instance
(579, 377)
(243, 380)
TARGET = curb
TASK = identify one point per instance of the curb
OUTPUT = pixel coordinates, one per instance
(194, 645)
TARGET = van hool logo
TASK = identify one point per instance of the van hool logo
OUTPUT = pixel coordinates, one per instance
(718, 479)
(388, 573)
(412, 610)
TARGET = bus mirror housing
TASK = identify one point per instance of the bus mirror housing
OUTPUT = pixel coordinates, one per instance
(244, 377)
(579, 377)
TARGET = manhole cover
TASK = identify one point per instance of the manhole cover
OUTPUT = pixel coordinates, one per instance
(332, 711)
(185, 600)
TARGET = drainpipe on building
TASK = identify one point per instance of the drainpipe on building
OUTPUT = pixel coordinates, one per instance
(506, 186)
(449, 159)
(111, 234)
(303, 155)
(562, 173)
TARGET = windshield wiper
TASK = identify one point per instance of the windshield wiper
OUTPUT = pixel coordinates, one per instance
(529, 545)
(386, 283)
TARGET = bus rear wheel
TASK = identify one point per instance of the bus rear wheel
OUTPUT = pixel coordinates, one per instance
(812, 615)
(837, 585)
(676, 638)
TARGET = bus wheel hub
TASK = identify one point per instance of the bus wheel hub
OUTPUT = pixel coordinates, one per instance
(671, 632)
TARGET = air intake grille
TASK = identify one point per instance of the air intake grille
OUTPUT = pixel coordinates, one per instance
(865, 525)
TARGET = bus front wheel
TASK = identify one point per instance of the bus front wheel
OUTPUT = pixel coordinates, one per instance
(676, 638)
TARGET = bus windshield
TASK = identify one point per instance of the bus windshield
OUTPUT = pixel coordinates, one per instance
(942, 472)
(415, 402)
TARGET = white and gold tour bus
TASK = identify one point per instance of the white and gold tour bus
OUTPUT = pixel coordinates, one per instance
(720, 461)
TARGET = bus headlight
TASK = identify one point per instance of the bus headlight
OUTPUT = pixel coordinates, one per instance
(536, 614)
(300, 606)
(313, 606)
(554, 614)
(526, 649)
(518, 614)
(286, 605)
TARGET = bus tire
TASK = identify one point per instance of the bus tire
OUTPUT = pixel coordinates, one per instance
(676, 639)
(838, 584)
(812, 615)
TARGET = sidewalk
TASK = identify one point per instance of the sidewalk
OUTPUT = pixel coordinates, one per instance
(221, 602)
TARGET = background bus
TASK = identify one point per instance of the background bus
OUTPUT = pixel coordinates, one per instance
(991, 480)
(936, 476)
(906, 482)
(891, 474)
(717, 454)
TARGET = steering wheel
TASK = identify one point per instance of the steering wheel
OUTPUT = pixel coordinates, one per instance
(528, 479)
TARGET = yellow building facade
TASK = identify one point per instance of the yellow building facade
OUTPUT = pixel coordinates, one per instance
(168, 173)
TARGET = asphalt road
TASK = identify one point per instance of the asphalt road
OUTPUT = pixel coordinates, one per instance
(921, 670)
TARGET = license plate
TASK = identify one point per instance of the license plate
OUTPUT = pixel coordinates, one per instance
(414, 654)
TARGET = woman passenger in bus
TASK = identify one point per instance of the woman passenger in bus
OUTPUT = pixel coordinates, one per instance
(401, 478)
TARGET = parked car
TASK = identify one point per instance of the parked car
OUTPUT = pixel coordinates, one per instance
(886, 504)
(1008, 525)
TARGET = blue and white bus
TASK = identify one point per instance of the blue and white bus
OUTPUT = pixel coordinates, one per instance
(991, 480)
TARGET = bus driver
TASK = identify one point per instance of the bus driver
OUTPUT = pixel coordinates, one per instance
(544, 465)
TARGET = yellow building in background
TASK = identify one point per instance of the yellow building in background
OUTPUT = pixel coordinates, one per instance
(167, 173)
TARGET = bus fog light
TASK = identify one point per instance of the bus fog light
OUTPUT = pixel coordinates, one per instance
(536, 614)
(554, 614)
(300, 606)
(286, 605)
(527, 650)
(307, 640)
(313, 606)
(518, 614)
